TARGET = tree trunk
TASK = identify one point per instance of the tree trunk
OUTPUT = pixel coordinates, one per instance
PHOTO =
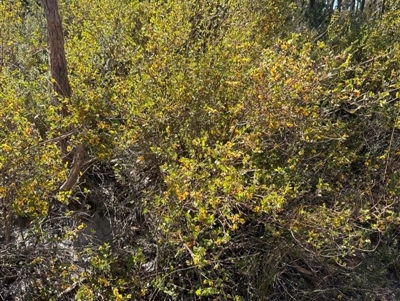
(58, 63)
(61, 86)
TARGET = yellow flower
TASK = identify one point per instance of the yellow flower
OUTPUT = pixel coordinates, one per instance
(116, 294)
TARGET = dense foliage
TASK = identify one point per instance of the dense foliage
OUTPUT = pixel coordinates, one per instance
(235, 150)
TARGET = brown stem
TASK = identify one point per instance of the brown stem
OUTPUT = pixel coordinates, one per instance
(61, 86)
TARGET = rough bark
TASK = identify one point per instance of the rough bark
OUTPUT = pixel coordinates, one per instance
(58, 63)
(61, 86)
